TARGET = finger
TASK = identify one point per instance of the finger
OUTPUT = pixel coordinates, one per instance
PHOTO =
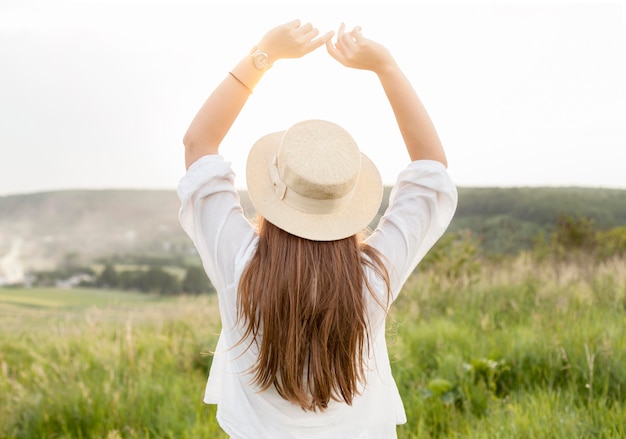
(355, 31)
(356, 35)
(310, 35)
(342, 28)
(324, 39)
(332, 51)
(293, 24)
(305, 28)
(340, 44)
(348, 42)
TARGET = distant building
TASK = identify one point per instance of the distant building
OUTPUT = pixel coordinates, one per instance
(75, 280)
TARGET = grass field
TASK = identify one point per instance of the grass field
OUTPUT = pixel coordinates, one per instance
(513, 349)
(47, 298)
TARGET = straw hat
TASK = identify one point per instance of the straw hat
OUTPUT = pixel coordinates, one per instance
(313, 182)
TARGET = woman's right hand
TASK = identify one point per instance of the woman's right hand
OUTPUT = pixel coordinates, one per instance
(292, 40)
(418, 132)
(354, 50)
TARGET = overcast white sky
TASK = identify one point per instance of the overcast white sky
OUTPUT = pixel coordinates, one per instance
(99, 95)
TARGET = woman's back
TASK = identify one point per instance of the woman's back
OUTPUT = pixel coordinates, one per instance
(212, 216)
(307, 299)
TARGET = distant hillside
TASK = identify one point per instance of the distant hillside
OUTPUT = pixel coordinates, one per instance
(38, 230)
(507, 219)
(541, 205)
(91, 223)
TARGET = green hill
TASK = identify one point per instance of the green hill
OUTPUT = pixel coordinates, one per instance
(507, 219)
(541, 205)
(48, 226)
(40, 229)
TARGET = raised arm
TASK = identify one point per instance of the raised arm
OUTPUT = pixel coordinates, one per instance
(219, 111)
(352, 49)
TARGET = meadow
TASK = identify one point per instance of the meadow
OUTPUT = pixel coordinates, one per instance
(517, 347)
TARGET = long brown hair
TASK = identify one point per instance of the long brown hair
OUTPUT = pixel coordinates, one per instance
(303, 303)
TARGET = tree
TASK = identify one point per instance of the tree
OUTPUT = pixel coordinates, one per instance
(158, 280)
(612, 242)
(196, 281)
(575, 233)
(108, 278)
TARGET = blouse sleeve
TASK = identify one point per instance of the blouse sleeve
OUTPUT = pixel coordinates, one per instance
(212, 216)
(421, 206)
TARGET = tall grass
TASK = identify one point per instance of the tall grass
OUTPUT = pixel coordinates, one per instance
(135, 375)
(517, 348)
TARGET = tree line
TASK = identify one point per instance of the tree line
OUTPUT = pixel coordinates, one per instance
(155, 280)
(457, 254)
(153, 277)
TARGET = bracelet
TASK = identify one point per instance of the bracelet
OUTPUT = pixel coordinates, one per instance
(240, 81)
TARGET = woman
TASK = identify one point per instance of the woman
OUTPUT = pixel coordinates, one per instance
(303, 299)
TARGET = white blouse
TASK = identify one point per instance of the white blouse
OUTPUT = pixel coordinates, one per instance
(421, 206)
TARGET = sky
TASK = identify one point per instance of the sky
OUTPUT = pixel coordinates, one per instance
(98, 95)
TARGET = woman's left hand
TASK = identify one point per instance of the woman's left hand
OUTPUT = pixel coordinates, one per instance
(292, 40)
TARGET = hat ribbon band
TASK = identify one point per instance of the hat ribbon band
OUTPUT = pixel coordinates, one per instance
(302, 203)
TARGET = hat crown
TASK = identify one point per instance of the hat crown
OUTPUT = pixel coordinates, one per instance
(318, 160)
(313, 181)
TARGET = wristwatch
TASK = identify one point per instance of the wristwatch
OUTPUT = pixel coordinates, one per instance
(261, 59)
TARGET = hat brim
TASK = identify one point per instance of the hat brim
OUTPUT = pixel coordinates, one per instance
(351, 219)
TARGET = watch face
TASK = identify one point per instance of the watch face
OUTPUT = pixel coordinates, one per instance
(261, 60)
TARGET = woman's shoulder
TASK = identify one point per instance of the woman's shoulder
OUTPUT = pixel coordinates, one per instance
(202, 171)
